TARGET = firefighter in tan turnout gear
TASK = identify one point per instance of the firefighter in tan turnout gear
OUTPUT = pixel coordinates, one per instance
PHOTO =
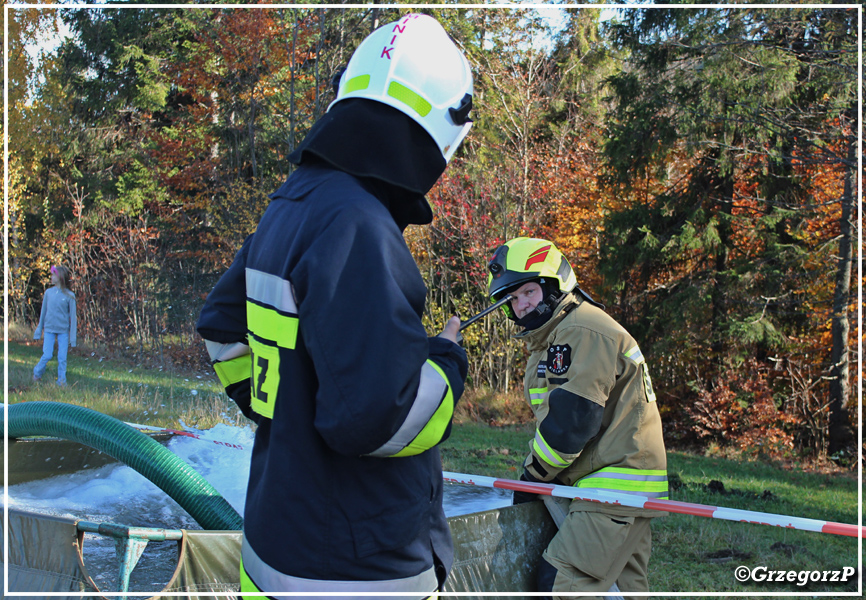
(598, 425)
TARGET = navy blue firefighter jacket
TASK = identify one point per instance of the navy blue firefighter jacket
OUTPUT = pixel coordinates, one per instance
(350, 395)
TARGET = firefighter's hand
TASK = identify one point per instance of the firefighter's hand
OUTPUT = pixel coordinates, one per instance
(521, 497)
(452, 329)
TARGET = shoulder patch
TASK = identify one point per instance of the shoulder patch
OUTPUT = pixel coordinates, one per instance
(558, 359)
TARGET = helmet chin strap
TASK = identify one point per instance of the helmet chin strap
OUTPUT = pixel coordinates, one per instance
(541, 313)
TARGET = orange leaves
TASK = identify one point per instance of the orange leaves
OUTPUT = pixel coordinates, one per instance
(576, 205)
(739, 409)
(232, 46)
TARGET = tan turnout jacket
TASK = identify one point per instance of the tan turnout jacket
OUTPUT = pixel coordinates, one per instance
(586, 352)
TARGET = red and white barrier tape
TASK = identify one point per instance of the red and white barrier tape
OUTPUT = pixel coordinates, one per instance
(686, 508)
(188, 434)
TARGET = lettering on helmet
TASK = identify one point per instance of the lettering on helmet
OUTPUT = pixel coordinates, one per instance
(399, 27)
(538, 256)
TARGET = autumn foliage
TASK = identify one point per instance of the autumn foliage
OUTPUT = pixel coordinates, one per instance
(698, 178)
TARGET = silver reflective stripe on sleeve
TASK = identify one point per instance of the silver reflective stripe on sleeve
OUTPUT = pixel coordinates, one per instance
(271, 290)
(269, 580)
(222, 352)
(431, 391)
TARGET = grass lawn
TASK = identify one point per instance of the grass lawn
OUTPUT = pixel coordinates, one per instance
(128, 391)
(690, 554)
(694, 554)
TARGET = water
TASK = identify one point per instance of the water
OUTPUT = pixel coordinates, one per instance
(119, 494)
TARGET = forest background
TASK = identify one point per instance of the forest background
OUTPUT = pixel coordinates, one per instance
(698, 167)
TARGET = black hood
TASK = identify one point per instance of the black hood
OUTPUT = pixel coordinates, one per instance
(376, 142)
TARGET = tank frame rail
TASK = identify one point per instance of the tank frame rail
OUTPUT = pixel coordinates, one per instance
(129, 544)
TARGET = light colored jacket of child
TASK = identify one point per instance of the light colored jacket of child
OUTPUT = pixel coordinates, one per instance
(58, 314)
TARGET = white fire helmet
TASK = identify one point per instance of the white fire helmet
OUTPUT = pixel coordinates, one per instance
(414, 66)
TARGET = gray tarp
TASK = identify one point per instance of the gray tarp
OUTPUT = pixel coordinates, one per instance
(494, 551)
(44, 555)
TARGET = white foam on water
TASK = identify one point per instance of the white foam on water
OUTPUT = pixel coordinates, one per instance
(119, 494)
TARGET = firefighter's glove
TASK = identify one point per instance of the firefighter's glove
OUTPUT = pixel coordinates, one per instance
(521, 497)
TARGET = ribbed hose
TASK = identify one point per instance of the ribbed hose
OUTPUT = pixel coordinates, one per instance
(120, 441)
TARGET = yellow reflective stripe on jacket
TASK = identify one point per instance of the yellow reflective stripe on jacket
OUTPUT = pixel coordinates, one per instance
(272, 312)
(272, 320)
(265, 377)
(428, 418)
(234, 370)
(537, 395)
(268, 324)
(650, 483)
(547, 454)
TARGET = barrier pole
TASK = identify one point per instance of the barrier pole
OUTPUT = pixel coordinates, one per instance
(635, 501)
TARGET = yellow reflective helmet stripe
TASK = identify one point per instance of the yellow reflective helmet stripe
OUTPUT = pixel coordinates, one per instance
(650, 483)
(409, 97)
(361, 82)
(428, 418)
(547, 454)
(537, 395)
(234, 370)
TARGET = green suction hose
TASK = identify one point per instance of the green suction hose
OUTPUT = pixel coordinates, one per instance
(120, 441)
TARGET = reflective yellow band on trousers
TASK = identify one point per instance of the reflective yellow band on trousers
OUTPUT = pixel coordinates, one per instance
(543, 449)
(257, 576)
(537, 395)
(639, 482)
(428, 418)
(234, 370)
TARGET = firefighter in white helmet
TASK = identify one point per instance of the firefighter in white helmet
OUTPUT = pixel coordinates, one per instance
(315, 331)
(598, 425)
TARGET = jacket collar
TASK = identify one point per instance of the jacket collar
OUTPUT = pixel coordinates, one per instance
(537, 338)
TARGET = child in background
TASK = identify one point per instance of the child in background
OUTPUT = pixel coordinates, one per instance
(57, 320)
